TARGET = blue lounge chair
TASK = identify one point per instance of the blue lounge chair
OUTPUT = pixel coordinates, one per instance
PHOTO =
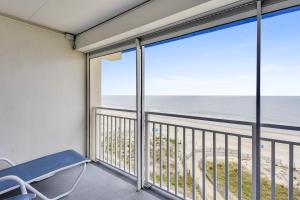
(22, 175)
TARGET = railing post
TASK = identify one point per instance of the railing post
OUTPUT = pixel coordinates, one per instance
(291, 173)
(140, 114)
(97, 129)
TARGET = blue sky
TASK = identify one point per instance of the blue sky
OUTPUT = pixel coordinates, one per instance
(217, 63)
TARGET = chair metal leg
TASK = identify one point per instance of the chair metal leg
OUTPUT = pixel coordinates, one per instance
(32, 189)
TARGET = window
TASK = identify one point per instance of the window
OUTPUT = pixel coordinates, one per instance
(118, 79)
(210, 74)
(280, 87)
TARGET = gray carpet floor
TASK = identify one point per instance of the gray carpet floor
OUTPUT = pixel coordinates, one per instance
(98, 183)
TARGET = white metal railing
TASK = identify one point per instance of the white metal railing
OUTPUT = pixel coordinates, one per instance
(197, 157)
(116, 139)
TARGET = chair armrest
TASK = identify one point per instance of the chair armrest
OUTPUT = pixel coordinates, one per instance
(15, 179)
(6, 160)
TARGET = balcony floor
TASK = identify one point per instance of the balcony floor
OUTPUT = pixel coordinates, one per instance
(97, 183)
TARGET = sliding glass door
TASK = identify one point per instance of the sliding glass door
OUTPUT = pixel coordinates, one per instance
(280, 158)
(116, 115)
(200, 106)
(201, 97)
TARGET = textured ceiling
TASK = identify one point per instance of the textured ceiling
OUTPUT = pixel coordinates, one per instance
(72, 16)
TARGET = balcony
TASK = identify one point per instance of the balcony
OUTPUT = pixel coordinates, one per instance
(193, 157)
(152, 99)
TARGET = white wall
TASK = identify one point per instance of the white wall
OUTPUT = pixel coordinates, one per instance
(42, 92)
(95, 101)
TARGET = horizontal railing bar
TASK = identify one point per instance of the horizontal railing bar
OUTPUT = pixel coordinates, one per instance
(116, 109)
(280, 141)
(226, 133)
(265, 125)
(128, 118)
(200, 118)
(284, 127)
(200, 129)
(238, 122)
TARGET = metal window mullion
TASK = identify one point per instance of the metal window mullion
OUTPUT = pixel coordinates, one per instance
(140, 93)
(257, 133)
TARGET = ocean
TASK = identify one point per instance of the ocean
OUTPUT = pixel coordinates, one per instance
(284, 110)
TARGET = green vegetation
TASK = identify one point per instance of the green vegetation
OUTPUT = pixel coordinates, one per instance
(172, 141)
(281, 191)
(189, 181)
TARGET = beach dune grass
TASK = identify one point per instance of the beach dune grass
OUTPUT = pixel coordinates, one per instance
(281, 190)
